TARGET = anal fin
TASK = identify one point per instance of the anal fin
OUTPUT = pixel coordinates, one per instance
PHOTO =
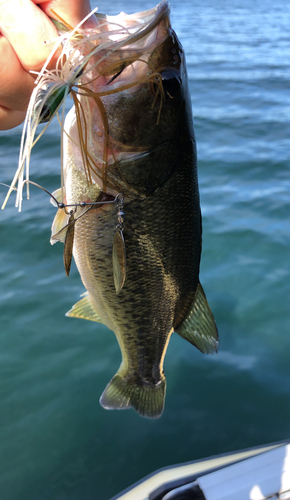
(84, 309)
(199, 326)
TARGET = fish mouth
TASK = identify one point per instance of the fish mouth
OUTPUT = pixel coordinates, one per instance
(124, 39)
(128, 96)
(120, 65)
(139, 25)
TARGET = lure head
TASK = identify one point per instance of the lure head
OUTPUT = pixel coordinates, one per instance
(48, 103)
(51, 95)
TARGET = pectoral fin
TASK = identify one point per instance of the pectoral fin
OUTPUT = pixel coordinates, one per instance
(59, 195)
(84, 309)
(199, 326)
(61, 224)
(61, 218)
(59, 227)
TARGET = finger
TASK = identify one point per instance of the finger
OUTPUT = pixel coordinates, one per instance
(71, 11)
(10, 118)
(16, 83)
(27, 28)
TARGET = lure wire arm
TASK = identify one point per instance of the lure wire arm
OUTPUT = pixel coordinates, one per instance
(120, 204)
(119, 199)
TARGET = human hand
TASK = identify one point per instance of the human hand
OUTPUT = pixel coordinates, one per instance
(24, 27)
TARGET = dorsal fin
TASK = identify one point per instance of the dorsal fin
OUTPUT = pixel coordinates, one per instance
(84, 309)
(199, 326)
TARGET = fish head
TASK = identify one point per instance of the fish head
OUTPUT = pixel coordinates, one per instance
(133, 100)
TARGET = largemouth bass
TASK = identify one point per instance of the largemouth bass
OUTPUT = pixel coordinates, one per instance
(129, 208)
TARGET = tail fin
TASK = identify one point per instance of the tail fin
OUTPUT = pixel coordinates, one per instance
(122, 393)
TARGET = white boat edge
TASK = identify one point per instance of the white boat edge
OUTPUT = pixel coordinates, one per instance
(157, 484)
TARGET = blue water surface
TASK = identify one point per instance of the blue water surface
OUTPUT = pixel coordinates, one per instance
(57, 443)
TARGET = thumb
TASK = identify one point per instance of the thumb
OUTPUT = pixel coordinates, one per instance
(27, 28)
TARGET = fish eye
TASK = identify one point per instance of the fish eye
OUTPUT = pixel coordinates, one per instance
(171, 82)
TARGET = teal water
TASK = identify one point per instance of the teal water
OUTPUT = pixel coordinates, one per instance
(57, 443)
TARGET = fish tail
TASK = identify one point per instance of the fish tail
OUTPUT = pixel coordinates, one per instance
(124, 392)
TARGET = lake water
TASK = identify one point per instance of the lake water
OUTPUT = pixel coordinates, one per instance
(57, 443)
